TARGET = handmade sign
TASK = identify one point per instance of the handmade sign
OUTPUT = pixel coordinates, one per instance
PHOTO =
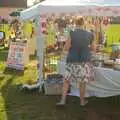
(17, 55)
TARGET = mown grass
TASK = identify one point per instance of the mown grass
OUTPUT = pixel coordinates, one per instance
(113, 33)
(17, 105)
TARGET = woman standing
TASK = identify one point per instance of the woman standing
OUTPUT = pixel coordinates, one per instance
(79, 67)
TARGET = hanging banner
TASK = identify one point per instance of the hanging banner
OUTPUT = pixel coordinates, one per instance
(17, 55)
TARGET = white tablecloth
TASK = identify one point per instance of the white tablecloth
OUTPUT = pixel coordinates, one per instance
(107, 83)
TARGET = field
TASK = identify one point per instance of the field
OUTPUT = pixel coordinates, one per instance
(113, 33)
(17, 105)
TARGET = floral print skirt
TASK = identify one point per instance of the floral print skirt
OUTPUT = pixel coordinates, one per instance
(79, 72)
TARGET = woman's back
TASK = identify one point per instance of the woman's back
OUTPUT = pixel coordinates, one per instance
(79, 51)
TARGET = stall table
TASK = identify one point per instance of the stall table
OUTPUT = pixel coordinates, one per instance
(106, 84)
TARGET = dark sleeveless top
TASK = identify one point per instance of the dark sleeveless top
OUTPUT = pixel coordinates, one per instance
(79, 51)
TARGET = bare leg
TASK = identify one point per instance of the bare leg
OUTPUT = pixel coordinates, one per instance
(82, 93)
(64, 94)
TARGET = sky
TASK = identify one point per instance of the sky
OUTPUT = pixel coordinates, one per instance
(30, 2)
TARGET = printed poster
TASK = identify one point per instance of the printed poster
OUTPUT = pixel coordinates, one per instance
(16, 55)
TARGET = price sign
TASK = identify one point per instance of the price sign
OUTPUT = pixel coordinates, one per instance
(16, 55)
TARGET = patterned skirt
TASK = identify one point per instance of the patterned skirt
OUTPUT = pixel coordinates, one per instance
(79, 72)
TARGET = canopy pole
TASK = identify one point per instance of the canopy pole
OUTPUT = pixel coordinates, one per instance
(40, 51)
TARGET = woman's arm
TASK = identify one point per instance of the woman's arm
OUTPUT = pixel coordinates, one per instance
(92, 46)
(66, 47)
(67, 44)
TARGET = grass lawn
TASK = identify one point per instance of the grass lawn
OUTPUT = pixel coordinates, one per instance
(16, 105)
(113, 33)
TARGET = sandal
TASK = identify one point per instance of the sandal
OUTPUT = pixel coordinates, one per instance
(60, 104)
(86, 102)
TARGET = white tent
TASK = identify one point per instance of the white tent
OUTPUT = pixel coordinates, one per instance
(84, 7)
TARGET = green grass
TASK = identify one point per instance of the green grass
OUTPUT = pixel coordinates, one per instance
(17, 105)
(113, 35)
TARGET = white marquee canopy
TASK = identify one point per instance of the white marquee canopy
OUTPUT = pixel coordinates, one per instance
(82, 7)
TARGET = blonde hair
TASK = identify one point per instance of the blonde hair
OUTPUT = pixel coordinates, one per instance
(79, 21)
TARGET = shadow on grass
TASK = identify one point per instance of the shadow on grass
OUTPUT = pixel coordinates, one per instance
(104, 108)
(13, 72)
(3, 55)
(35, 106)
(2, 78)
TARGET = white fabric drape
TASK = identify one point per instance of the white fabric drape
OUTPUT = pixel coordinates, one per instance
(107, 83)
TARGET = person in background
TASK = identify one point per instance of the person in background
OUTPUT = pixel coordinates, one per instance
(104, 39)
(78, 64)
(61, 35)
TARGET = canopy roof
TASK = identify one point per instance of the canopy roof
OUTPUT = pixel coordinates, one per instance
(82, 7)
